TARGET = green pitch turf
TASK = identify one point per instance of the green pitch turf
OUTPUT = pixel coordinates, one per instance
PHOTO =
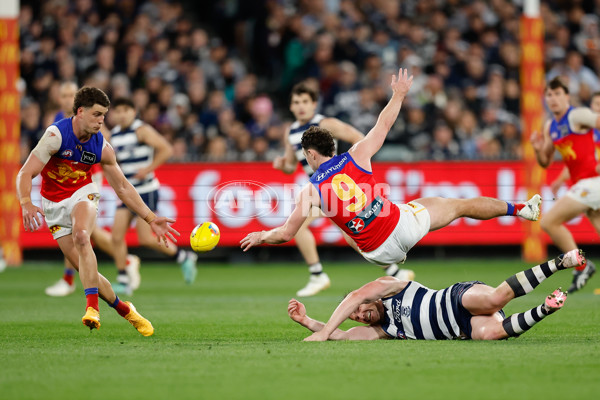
(228, 337)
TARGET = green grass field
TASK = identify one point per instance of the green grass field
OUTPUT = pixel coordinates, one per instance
(228, 337)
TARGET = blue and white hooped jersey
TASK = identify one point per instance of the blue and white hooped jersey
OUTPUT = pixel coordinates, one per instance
(418, 312)
(295, 137)
(133, 156)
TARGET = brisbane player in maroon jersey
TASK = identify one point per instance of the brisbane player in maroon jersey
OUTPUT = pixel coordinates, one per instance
(344, 189)
(571, 132)
(64, 157)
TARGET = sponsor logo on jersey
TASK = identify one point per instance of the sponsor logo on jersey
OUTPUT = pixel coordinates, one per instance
(331, 169)
(54, 229)
(65, 172)
(357, 225)
(405, 311)
(362, 220)
(67, 153)
(88, 158)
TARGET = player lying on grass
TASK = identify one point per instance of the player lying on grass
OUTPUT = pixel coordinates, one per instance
(468, 310)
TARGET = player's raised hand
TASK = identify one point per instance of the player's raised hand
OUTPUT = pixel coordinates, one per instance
(31, 216)
(279, 163)
(161, 228)
(537, 141)
(251, 240)
(401, 84)
(296, 310)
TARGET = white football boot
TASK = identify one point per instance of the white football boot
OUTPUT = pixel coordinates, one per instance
(315, 284)
(60, 289)
(133, 271)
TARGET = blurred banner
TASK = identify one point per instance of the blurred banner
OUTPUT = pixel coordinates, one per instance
(245, 197)
(532, 113)
(10, 214)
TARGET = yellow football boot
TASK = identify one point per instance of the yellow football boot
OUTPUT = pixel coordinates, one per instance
(140, 323)
(91, 318)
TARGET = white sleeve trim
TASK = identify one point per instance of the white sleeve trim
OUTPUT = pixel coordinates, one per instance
(582, 119)
(48, 145)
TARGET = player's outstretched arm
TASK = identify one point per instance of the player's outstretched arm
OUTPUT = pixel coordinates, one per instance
(297, 312)
(127, 193)
(47, 146)
(543, 146)
(162, 149)
(30, 212)
(364, 150)
(583, 119)
(558, 182)
(288, 162)
(370, 292)
(342, 131)
(307, 199)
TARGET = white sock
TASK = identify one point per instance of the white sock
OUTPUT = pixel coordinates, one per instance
(392, 269)
(315, 269)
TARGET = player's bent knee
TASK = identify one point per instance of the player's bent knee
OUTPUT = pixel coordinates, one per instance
(489, 332)
(495, 302)
(81, 237)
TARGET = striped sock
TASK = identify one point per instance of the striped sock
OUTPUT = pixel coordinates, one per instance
(315, 269)
(516, 324)
(121, 307)
(68, 276)
(91, 296)
(391, 270)
(513, 209)
(525, 281)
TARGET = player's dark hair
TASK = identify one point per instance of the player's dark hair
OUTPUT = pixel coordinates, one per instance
(88, 96)
(123, 101)
(301, 88)
(595, 94)
(319, 139)
(557, 83)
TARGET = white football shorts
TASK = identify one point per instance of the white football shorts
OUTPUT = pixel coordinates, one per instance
(413, 224)
(58, 215)
(586, 191)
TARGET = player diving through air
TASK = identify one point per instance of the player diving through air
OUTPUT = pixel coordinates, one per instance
(395, 309)
(64, 156)
(303, 104)
(344, 189)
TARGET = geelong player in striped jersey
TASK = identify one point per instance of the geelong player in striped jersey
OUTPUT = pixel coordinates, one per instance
(140, 149)
(344, 189)
(303, 104)
(395, 309)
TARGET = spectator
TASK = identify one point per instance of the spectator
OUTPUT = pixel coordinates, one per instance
(194, 75)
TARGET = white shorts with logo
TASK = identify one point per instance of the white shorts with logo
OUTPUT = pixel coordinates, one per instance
(58, 215)
(413, 224)
(586, 191)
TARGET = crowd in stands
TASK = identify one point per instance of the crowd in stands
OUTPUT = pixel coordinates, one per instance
(214, 76)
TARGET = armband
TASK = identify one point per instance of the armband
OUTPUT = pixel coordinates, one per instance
(150, 217)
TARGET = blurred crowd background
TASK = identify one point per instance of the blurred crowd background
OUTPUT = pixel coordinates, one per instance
(214, 76)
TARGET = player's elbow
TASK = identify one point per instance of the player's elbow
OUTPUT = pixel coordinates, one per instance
(286, 236)
(168, 151)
